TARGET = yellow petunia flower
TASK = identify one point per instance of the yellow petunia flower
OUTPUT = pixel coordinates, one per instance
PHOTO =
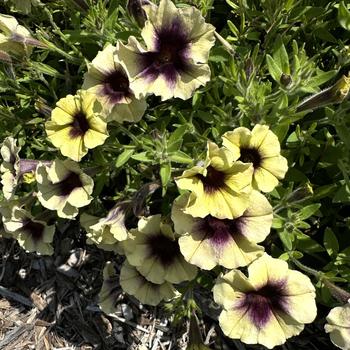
(338, 326)
(174, 63)
(208, 242)
(269, 306)
(261, 148)
(154, 250)
(64, 187)
(219, 187)
(33, 235)
(76, 125)
(107, 79)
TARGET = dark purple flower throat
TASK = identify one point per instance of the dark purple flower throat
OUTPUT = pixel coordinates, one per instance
(116, 86)
(262, 303)
(170, 56)
(164, 248)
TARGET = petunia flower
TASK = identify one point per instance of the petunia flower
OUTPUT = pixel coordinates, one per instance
(107, 79)
(261, 148)
(207, 242)
(338, 326)
(14, 38)
(77, 125)
(33, 235)
(269, 306)
(174, 63)
(154, 250)
(145, 291)
(63, 187)
(108, 230)
(13, 169)
(219, 187)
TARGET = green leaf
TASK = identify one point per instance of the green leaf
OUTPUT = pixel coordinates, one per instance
(308, 211)
(180, 157)
(321, 78)
(176, 138)
(280, 56)
(287, 239)
(142, 157)
(273, 68)
(307, 244)
(344, 16)
(124, 157)
(330, 242)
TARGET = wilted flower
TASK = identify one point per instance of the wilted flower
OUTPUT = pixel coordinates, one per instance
(14, 38)
(269, 306)
(107, 79)
(76, 125)
(33, 235)
(107, 230)
(9, 167)
(63, 187)
(13, 168)
(135, 9)
(154, 250)
(219, 187)
(207, 242)
(175, 61)
(338, 326)
(261, 148)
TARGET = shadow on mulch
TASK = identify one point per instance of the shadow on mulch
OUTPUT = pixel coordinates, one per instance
(51, 301)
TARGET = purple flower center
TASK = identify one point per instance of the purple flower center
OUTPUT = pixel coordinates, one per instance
(214, 180)
(34, 229)
(164, 248)
(116, 86)
(71, 182)
(251, 155)
(218, 231)
(79, 126)
(170, 57)
(260, 304)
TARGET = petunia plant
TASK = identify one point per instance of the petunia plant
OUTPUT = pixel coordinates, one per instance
(195, 154)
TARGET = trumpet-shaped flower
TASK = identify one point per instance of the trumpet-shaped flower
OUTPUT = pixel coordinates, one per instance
(269, 306)
(63, 187)
(219, 187)
(108, 230)
(261, 148)
(32, 235)
(147, 292)
(207, 242)
(338, 326)
(154, 250)
(76, 125)
(174, 64)
(107, 79)
(13, 37)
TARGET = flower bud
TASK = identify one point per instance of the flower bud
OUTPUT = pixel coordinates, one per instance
(334, 94)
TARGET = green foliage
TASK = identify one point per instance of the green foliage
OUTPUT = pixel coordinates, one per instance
(283, 52)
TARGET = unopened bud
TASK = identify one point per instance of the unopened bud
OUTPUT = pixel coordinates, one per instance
(334, 94)
(285, 79)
